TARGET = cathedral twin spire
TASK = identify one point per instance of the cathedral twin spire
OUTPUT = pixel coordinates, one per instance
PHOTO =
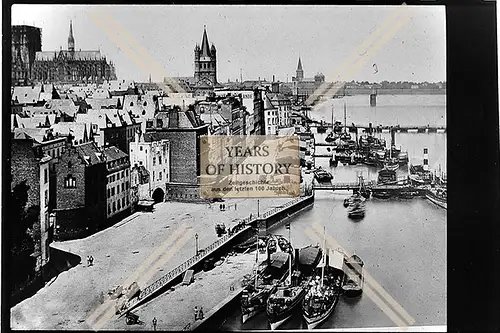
(71, 39)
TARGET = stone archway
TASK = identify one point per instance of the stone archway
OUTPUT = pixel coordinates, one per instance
(158, 195)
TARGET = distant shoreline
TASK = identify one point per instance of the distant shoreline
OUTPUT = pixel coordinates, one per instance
(402, 91)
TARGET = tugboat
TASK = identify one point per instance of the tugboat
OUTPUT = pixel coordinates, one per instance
(322, 175)
(286, 297)
(356, 209)
(438, 196)
(324, 293)
(274, 270)
(353, 283)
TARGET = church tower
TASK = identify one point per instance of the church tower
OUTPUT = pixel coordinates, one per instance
(71, 40)
(300, 72)
(205, 63)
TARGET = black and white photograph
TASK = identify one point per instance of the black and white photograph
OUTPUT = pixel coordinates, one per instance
(328, 210)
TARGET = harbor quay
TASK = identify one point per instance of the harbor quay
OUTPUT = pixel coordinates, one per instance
(140, 248)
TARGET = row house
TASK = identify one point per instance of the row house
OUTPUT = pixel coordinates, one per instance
(81, 190)
(152, 152)
(30, 167)
(270, 116)
(284, 106)
(111, 127)
(118, 182)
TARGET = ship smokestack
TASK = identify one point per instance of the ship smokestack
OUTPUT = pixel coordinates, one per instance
(426, 160)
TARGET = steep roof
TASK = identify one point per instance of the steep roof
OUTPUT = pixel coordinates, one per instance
(36, 134)
(299, 66)
(112, 153)
(65, 54)
(78, 130)
(27, 95)
(99, 103)
(66, 106)
(90, 153)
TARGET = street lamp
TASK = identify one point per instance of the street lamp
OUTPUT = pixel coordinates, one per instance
(196, 239)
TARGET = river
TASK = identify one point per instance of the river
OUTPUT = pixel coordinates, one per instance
(402, 241)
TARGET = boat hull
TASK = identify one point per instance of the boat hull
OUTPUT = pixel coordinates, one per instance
(440, 203)
(313, 321)
(275, 320)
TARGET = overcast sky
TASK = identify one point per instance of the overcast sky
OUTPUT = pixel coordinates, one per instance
(259, 40)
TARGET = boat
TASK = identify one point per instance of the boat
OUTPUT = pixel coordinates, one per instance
(286, 298)
(308, 258)
(438, 196)
(324, 292)
(386, 176)
(322, 175)
(354, 279)
(254, 296)
(356, 210)
(381, 194)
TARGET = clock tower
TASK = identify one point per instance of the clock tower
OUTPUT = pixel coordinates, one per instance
(205, 64)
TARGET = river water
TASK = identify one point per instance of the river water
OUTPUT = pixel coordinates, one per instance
(402, 241)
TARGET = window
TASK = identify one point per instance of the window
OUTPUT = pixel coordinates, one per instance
(127, 201)
(160, 175)
(109, 208)
(117, 189)
(70, 182)
(119, 206)
(114, 206)
(45, 176)
(117, 176)
(109, 192)
(123, 202)
(127, 185)
(153, 175)
(46, 198)
(159, 159)
(126, 172)
(154, 161)
(123, 187)
(131, 103)
(140, 148)
(123, 174)
(112, 192)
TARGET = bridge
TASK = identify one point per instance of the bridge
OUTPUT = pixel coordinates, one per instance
(387, 128)
(342, 186)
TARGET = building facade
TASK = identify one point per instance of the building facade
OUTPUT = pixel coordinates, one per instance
(81, 191)
(152, 151)
(72, 66)
(118, 182)
(26, 42)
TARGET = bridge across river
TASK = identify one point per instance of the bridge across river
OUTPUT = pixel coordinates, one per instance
(387, 128)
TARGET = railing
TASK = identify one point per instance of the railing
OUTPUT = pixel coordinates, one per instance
(167, 278)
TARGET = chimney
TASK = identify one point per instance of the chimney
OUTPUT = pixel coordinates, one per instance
(173, 118)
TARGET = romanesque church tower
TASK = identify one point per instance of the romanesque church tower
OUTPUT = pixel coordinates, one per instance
(205, 63)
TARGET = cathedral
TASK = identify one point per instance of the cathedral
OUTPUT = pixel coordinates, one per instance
(70, 66)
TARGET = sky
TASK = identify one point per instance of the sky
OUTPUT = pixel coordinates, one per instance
(258, 41)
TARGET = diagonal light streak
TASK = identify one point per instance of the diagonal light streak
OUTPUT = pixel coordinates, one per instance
(375, 291)
(143, 273)
(133, 49)
(357, 63)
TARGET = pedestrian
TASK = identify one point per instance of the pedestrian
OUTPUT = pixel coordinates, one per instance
(154, 323)
(88, 261)
(200, 316)
(195, 313)
(91, 260)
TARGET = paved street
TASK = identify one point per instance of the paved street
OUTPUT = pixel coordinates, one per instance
(141, 248)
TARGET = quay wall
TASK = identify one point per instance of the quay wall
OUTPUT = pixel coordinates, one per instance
(266, 222)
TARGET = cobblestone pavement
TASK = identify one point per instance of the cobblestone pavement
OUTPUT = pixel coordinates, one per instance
(133, 249)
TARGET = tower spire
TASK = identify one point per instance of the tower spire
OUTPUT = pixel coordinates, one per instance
(300, 72)
(205, 48)
(71, 39)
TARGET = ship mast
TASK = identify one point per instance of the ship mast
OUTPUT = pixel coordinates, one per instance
(257, 263)
(332, 118)
(290, 255)
(324, 256)
(345, 129)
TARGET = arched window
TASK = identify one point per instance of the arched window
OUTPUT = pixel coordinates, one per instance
(70, 182)
(131, 103)
(145, 103)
